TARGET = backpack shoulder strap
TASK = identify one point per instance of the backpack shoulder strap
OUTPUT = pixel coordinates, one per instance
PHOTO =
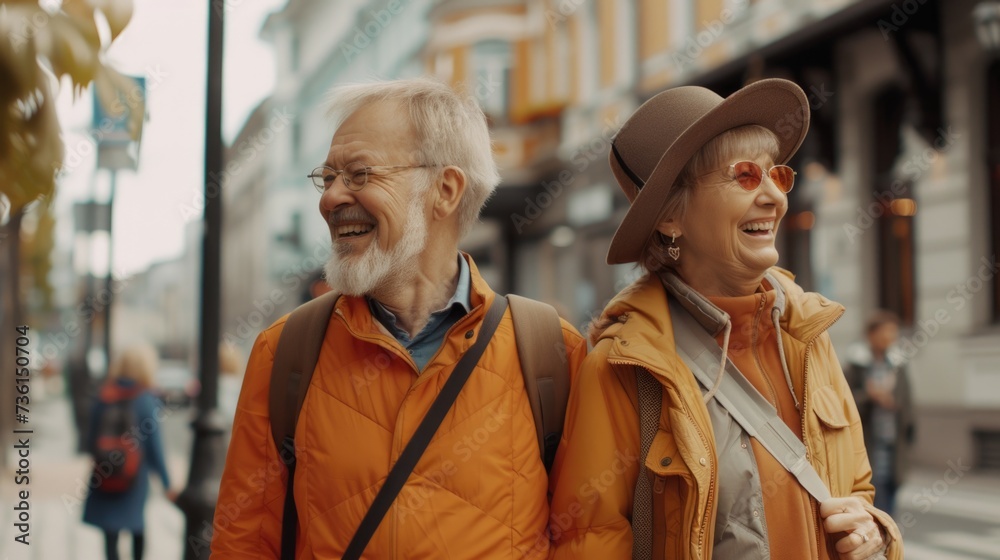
(541, 350)
(294, 362)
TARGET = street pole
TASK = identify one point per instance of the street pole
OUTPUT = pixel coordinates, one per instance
(208, 451)
(81, 379)
(108, 281)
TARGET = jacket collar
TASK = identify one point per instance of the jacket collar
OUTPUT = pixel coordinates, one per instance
(703, 310)
(357, 313)
(639, 316)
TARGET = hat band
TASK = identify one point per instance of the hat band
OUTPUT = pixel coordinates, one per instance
(639, 183)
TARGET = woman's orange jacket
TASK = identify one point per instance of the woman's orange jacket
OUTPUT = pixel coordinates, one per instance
(595, 472)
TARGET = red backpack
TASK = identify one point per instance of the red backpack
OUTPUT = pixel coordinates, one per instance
(116, 455)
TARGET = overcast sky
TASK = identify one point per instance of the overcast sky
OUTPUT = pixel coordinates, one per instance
(166, 42)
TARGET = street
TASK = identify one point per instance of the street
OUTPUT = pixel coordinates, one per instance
(57, 490)
(950, 516)
(947, 515)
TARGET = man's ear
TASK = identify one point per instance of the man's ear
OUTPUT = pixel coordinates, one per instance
(449, 187)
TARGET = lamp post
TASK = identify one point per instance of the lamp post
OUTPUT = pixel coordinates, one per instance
(986, 16)
(208, 452)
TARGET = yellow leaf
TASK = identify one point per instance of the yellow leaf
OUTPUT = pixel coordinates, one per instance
(17, 53)
(81, 15)
(34, 45)
(117, 12)
(70, 52)
(34, 150)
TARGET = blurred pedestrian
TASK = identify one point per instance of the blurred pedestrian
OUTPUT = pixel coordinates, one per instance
(711, 335)
(230, 380)
(408, 170)
(876, 371)
(120, 483)
(81, 395)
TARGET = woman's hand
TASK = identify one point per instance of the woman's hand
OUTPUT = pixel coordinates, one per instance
(862, 535)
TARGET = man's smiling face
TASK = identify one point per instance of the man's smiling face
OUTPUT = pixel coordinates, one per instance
(378, 230)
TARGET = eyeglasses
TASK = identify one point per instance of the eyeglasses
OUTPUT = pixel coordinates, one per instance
(354, 175)
(750, 175)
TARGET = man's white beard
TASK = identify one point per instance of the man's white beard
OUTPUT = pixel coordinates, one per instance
(377, 270)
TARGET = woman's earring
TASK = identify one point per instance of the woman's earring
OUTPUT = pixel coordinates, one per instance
(673, 250)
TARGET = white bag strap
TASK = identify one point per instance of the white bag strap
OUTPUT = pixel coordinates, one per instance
(745, 404)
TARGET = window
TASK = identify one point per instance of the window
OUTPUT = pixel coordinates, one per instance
(993, 172)
(491, 62)
(892, 206)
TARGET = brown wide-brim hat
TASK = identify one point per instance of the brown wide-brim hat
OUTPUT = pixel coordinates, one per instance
(656, 142)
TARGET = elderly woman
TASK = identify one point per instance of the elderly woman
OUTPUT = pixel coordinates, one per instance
(668, 451)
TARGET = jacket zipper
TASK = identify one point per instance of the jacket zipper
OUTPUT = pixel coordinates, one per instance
(383, 341)
(460, 324)
(394, 346)
(704, 442)
(756, 356)
(820, 542)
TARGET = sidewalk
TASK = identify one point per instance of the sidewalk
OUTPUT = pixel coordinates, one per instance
(950, 514)
(938, 511)
(973, 495)
(57, 492)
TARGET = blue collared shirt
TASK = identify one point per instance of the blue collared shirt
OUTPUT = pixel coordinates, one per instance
(423, 346)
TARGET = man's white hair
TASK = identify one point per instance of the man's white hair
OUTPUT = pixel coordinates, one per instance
(450, 127)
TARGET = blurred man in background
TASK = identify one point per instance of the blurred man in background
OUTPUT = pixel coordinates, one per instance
(876, 371)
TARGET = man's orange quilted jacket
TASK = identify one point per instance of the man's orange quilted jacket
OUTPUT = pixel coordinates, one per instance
(479, 491)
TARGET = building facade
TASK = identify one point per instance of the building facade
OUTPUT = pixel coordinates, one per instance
(898, 198)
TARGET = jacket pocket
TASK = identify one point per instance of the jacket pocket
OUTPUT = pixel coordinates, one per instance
(829, 408)
(664, 458)
(835, 452)
(674, 495)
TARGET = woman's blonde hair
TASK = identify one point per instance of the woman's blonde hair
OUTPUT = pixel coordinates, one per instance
(138, 363)
(744, 141)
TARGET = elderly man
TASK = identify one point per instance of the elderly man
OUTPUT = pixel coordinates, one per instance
(408, 170)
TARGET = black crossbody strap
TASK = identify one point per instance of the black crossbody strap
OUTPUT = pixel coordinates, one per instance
(425, 431)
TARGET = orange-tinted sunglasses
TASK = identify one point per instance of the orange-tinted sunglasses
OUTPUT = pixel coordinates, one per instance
(750, 175)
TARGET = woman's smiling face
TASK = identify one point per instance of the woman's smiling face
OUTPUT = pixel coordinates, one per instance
(727, 223)
(726, 233)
